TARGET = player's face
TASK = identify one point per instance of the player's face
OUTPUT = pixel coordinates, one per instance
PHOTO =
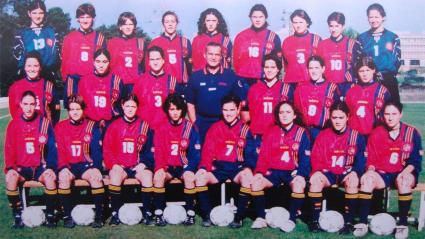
(170, 24)
(230, 112)
(339, 120)
(27, 105)
(211, 23)
(366, 74)
(130, 108)
(270, 70)
(375, 19)
(335, 29)
(174, 113)
(299, 24)
(127, 28)
(156, 62)
(392, 117)
(258, 19)
(32, 68)
(75, 111)
(286, 114)
(86, 22)
(36, 16)
(213, 56)
(315, 70)
(101, 64)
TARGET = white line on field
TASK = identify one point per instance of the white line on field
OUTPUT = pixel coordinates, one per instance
(4, 116)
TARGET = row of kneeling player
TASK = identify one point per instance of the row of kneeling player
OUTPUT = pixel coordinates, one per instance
(390, 156)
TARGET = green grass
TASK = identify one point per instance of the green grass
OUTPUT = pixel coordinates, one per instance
(413, 114)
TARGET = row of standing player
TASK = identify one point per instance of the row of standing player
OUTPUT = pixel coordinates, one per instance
(250, 46)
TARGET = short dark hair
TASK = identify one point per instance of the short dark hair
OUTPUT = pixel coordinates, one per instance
(259, 7)
(33, 54)
(378, 7)
(277, 109)
(337, 17)
(28, 93)
(394, 103)
(85, 8)
(102, 51)
(127, 16)
(229, 99)
(128, 97)
(274, 58)
(37, 4)
(316, 58)
(303, 14)
(78, 99)
(364, 61)
(176, 100)
(169, 13)
(213, 44)
(340, 105)
(157, 49)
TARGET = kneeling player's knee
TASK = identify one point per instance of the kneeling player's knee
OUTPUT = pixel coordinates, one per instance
(257, 185)
(298, 185)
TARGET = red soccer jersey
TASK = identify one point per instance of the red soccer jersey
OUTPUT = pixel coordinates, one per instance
(77, 52)
(152, 91)
(26, 142)
(365, 103)
(175, 145)
(223, 143)
(338, 57)
(177, 51)
(199, 45)
(296, 50)
(279, 149)
(123, 142)
(313, 101)
(73, 142)
(42, 89)
(261, 101)
(101, 95)
(334, 152)
(126, 55)
(249, 50)
(391, 155)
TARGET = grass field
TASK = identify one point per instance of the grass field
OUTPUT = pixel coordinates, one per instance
(414, 114)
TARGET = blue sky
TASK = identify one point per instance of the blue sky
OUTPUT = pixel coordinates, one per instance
(402, 16)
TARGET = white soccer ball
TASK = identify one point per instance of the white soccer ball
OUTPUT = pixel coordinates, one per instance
(222, 215)
(331, 221)
(130, 214)
(83, 215)
(382, 224)
(174, 214)
(33, 216)
(276, 216)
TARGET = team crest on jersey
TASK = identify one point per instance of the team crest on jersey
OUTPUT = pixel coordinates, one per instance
(49, 42)
(351, 150)
(295, 146)
(87, 138)
(42, 139)
(389, 46)
(269, 46)
(407, 147)
(328, 102)
(49, 97)
(241, 143)
(379, 103)
(184, 143)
